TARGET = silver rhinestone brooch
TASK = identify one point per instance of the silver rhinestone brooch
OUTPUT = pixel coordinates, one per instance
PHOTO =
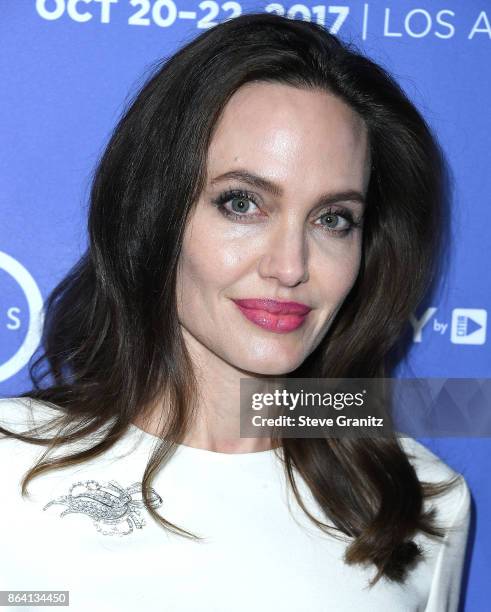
(108, 505)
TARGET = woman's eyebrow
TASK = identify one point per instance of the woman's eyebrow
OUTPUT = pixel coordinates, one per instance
(252, 179)
(260, 182)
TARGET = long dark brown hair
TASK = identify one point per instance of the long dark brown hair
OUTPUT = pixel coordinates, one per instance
(112, 341)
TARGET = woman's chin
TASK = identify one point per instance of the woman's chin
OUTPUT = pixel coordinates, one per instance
(269, 367)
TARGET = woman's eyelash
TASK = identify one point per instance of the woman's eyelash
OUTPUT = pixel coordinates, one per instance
(231, 194)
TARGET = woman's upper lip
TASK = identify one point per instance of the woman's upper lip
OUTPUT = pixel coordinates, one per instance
(274, 306)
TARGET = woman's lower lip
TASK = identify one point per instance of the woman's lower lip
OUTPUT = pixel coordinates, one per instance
(273, 322)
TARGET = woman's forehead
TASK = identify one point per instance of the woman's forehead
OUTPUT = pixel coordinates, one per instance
(288, 134)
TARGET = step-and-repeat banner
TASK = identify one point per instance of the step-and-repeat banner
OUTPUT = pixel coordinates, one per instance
(68, 66)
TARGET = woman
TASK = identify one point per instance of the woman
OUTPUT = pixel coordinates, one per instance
(264, 161)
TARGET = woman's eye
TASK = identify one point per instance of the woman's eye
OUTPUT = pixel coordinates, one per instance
(235, 204)
(336, 222)
(240, 204)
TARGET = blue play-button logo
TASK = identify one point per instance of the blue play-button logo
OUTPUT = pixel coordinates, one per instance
(468, 326)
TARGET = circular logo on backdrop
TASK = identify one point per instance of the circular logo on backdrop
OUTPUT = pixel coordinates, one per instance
(33, 319)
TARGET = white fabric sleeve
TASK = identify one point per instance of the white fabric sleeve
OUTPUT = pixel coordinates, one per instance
(447, 578)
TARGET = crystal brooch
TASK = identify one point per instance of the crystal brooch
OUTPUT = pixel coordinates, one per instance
(113, 509)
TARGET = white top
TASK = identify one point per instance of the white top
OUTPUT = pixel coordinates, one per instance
(260, 553)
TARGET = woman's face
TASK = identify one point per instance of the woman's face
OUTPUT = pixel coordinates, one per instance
(290, 167)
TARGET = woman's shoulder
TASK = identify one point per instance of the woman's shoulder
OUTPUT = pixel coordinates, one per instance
(19, 414)
(455, 503)
(25, 415)
(426, 462)
(34, 418)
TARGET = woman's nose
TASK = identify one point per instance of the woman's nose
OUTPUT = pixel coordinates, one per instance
(285, 256)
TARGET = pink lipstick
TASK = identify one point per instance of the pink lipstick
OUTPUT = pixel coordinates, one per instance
(275, 316)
